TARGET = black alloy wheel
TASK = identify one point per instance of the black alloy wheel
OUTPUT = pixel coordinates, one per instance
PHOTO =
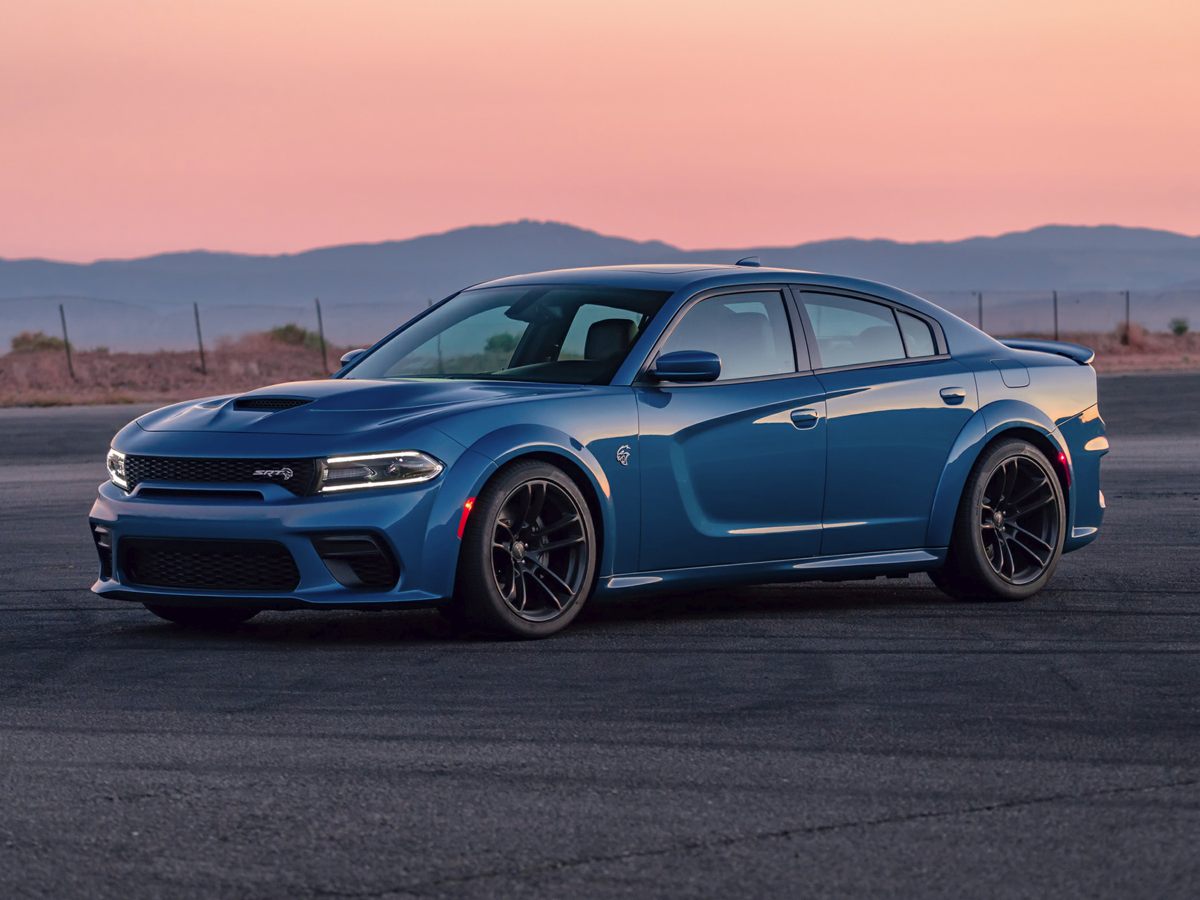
(1009, 530)
(528, 555)
(539, 550)
(1019, 520)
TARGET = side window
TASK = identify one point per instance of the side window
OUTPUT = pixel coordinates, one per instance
(750, 332)
(852, 332)
(575, 343)
(918, 339)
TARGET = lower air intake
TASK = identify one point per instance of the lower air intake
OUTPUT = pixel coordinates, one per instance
(358, 560)
(254, 566)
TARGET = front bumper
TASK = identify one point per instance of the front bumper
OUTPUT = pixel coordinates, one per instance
(410, 521)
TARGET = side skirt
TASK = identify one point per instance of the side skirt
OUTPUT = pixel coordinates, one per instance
(818, 568)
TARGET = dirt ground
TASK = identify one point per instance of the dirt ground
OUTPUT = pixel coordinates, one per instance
(40, 378)
(1143, 352)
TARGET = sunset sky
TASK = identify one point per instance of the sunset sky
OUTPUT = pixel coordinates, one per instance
(135, 127)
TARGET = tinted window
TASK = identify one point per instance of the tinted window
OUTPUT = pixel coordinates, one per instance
(555, 333)
(750, 333)
(918, 339)
(574, 345)
(851, 332)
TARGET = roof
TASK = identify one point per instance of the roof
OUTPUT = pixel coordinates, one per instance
(666, 277)
(699, 276)
(692, 278)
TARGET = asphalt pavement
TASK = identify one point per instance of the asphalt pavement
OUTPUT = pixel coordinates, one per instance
(870, 738)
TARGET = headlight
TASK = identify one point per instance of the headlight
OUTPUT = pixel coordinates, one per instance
(349, 473)
(116, 468)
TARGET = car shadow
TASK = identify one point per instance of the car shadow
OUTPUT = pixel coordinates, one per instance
(792, 600)
(426, 626)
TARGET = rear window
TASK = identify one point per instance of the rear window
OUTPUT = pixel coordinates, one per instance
(918, 338)
(852, 332)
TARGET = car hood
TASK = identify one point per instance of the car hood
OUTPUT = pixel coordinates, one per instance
(341, 405)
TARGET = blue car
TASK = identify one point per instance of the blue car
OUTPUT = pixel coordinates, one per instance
(534, 441)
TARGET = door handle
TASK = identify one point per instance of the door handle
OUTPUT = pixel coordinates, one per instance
(953, 396)
(805, 418)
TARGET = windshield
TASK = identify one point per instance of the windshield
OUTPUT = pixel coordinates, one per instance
(563, 334)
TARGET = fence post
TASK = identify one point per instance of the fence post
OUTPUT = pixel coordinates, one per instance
(66, 341)
(321, 334)
(1125, 338)
(979, 298)
(1056, 315)
(200, 339)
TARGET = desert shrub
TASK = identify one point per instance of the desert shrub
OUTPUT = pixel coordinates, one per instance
(1135, 336)
(33, 341)
(295, 335)
(1179, 327)
(501, 343)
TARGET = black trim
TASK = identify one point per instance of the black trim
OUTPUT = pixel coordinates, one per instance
(265, 603)
(270, 404)
(359, 560)
(189, 471)
(219, 565)
(102, 536)
(939, 335)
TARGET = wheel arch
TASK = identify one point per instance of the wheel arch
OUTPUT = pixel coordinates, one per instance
(581, 479)
(548, 445)
(998, 421)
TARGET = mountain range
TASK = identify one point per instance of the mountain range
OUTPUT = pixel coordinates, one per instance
(366, 287)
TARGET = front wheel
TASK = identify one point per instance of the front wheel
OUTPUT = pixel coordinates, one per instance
(1009, 530)
(216, 618)
(528, 554)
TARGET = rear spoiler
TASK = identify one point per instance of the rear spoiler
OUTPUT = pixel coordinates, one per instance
(1081, 354)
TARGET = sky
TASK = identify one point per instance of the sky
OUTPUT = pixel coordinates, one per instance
(128, 128)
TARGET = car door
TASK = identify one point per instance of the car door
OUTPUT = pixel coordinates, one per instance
(733, 470)
(896, 401)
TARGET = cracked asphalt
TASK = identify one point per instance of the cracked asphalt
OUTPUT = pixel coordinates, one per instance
(867, 738)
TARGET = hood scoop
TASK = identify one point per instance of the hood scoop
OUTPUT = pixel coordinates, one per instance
(270, 404)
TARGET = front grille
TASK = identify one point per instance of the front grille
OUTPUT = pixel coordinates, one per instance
(208, 565)
(297, 475)
(270, 404)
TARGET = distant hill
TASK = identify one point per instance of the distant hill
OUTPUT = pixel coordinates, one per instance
(368, 287)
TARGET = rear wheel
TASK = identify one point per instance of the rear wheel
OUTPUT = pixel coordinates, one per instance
(214, 619)
(528, 554)
(1009, 530)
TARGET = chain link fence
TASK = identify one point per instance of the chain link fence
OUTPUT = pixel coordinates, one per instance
(140, 328)
(1045, 313)
(82, 350)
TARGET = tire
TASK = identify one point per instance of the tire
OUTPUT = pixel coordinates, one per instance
(218, 618)
(1009, 529)
(528, 558)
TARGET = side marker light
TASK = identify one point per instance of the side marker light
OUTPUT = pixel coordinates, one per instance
(462, 522)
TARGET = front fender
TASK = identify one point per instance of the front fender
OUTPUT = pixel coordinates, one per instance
(981, 429)
(509, 443)
(439, 557)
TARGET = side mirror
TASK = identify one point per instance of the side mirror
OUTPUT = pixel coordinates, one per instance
(350, 357)
(687, 367)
